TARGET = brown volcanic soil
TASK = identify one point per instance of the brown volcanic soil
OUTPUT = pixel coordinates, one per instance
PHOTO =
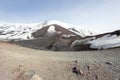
(41, 32)
(92, 65)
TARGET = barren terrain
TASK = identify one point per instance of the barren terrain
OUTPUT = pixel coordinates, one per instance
(53, 65)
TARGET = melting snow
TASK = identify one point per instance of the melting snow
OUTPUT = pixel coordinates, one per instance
(105, 42)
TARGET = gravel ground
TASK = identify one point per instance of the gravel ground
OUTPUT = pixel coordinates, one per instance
(53, 65)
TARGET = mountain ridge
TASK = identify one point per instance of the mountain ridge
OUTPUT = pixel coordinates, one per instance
(60, 36)
(11, 31)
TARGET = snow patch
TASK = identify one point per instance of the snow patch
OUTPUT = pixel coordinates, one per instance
(51, 29)
(67, 36)
(105, 42)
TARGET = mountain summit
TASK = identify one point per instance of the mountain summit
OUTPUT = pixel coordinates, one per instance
(25, 31)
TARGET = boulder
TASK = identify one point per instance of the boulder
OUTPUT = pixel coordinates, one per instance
(36, 77)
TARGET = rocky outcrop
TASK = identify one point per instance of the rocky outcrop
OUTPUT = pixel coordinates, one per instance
(116, 33)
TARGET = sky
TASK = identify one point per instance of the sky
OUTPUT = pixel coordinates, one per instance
(99, 15)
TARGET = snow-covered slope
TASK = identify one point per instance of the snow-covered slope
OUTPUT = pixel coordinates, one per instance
(17, 31)
(10, 31)
(102, 41)
(105, 42)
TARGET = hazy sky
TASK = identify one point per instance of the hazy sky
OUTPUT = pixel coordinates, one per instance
(100, 15)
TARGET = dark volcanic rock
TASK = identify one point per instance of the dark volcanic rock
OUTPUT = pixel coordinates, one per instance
(116, 32)
(40, 32)
(60, 47)
(77, 70)
(39, 43)
(82, 47)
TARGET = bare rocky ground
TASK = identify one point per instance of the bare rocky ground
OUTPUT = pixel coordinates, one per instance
(17, 62)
